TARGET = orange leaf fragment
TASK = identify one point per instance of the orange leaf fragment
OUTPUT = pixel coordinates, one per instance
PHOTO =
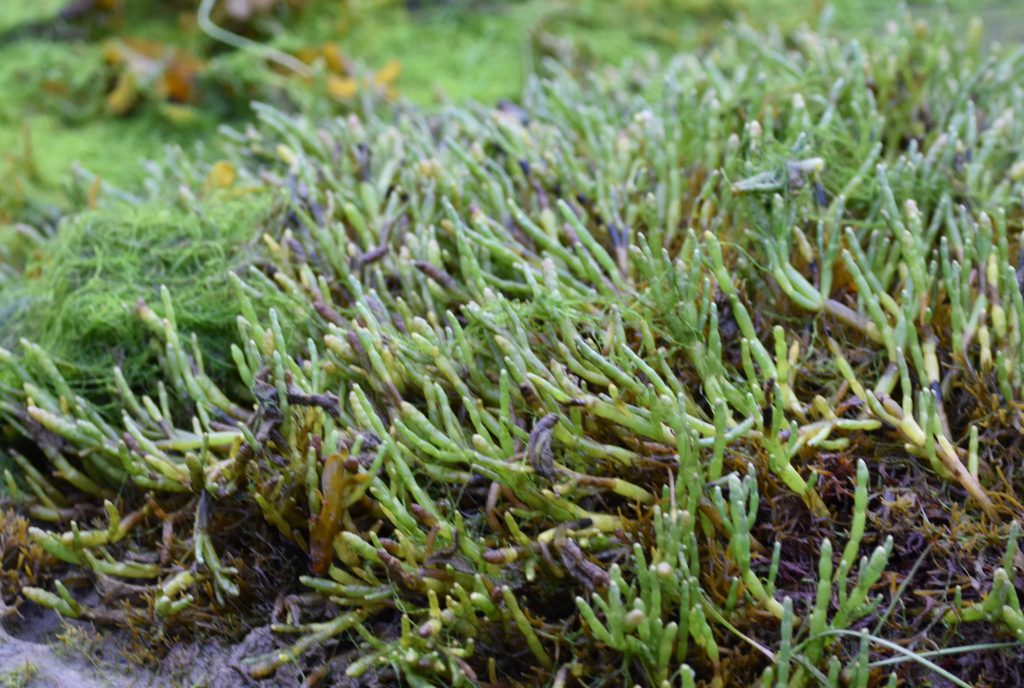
(178, 82)
(94, 193)
(389, 73)
(341, 87)
(123, 98)
(333, 58)
(221, 176)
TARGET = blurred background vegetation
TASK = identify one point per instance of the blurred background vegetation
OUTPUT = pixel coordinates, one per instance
(103, 83)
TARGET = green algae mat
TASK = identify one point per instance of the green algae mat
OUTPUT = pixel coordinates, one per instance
(704, 369)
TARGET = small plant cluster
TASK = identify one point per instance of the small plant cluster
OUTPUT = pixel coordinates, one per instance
(706, 373)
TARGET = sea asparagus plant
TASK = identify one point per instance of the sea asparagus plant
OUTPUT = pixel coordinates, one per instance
(627, 383)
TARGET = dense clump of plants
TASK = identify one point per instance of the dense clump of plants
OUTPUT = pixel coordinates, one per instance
(75, 300)
(704, 373)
